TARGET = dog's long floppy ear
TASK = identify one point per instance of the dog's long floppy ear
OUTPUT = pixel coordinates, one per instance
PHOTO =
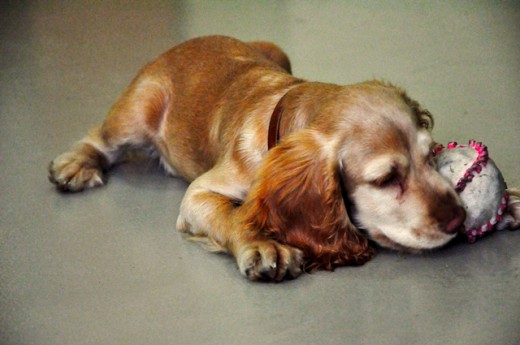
(296, 199)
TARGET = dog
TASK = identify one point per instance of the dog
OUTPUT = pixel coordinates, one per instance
(285, 174)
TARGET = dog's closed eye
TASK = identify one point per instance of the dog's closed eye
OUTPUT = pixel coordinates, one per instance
(386, 171)
(392, 178)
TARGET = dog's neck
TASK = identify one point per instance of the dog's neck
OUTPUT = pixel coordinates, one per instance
(296, 109)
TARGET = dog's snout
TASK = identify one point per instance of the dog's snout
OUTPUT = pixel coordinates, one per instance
(448, 213)
(454, 221)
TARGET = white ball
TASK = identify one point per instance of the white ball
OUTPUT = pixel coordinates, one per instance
(482, 189)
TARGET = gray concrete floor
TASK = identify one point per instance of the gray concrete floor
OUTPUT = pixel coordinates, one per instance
(107, 267)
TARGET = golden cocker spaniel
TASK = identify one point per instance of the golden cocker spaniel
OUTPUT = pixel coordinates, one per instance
(285, 174)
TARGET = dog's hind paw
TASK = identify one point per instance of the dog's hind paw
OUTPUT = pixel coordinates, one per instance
(76, 170)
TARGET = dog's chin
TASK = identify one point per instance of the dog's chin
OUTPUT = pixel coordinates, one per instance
(416, 248)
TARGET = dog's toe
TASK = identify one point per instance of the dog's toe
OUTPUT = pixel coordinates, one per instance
(269, 261)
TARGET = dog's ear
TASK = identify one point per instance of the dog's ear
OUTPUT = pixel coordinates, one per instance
(423, 117)
(296, 199)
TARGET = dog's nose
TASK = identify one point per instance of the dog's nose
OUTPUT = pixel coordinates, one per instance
(455, 221)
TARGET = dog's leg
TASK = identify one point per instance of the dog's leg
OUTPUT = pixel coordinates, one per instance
(211, 210)
(82, 166)
(131, 123)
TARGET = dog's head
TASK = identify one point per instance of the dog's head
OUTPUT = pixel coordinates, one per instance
(397, 195)
(364, 164)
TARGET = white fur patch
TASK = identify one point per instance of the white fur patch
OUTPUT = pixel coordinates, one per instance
(251, 148)
(328, 144)
(424, 142)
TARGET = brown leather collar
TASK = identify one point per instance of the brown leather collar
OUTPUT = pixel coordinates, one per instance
(273, 135)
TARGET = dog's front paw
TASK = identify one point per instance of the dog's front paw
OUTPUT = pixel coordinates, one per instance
(269, 260)
(75, 171)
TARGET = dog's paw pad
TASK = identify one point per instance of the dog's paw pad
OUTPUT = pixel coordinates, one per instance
(270, 261)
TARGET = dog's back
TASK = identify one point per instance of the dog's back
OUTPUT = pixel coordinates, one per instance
(208, 83)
